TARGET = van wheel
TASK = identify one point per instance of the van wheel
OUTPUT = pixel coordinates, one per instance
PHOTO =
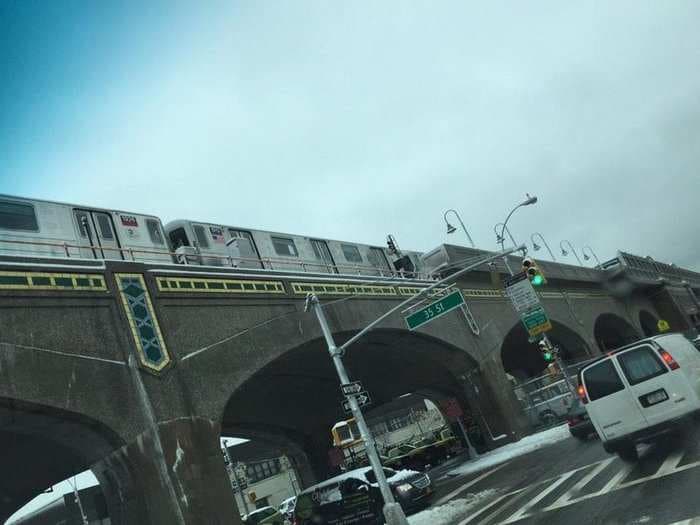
(628, 452)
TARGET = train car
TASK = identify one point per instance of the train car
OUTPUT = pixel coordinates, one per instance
(32, 227)
(217, 245)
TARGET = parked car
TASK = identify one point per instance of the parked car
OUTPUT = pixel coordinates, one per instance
(580, 424)
(421, 453)
(641, 391)
(286, 508)
(264, 516)
(354, 497)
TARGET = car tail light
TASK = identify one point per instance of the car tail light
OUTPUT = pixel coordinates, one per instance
(572, 421)
(581, 391)
(668, 359)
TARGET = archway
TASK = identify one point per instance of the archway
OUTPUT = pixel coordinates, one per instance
(648, 323)
(298, 394)
(612, 331)
(44, 445)
(522, 358)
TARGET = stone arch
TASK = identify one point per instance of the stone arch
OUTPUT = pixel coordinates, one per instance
(46, 445)
(522, 358)
(612, 331)
(648, 323)
(298, 392)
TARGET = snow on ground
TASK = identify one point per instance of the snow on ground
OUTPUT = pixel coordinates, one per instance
(512, 450)
(83, 480)
(449, 512)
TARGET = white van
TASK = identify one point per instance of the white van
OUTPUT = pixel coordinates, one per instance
(641, 391)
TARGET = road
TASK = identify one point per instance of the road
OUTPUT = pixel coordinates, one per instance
(573, 482)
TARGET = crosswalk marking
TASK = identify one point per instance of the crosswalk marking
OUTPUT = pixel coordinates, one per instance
(522, 512)
(576, 489)
(462, 488)
(617, 478)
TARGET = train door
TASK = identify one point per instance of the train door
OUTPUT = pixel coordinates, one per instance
(97, 239)
(323, 254)
(379, 261)
(246, 250)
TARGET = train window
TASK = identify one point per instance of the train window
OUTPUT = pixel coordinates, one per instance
(154, 231)
(17, 216)
(352, 254)
(178, 238)
(201, 236)
(378, 259)
(284, 246)
(241, 234)
(105, 226)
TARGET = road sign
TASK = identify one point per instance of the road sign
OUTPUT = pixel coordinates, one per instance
(351, 388)
(663, 326)
(521, 293)
(362, 400)
(434, 310)
(536, 321)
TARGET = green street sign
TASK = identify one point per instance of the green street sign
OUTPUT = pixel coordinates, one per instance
(536, 321)
(435, 310)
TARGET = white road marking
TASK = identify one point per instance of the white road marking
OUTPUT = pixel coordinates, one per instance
(576, 489)
(523, 511)
(670, 463)
(616, 479)
(478, 513)
(464, 487)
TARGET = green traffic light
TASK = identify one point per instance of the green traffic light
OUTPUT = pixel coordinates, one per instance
(547, 356)
(537, 280)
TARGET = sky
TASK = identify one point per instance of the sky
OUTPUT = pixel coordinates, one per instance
(352, 120)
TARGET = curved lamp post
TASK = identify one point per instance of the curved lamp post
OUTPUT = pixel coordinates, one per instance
(565, 253)
(500, 239)
(537, 247)
(452, 229)
(586, 257)
(526, 202)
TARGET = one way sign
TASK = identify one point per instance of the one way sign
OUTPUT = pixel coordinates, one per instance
(362, 400)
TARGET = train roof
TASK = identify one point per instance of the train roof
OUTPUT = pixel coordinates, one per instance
(81, 206)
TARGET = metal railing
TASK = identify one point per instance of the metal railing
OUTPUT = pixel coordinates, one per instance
(136, 254)
(646, 268)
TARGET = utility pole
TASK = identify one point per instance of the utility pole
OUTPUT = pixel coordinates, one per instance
(393, 513)
(232, 470)
(83, 517)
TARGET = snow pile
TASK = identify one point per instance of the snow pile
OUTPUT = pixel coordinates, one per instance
(449, 512)
(525, 445)
(83, 480)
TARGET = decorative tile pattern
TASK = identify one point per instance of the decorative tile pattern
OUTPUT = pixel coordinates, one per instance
(145, 330)
(187, 284)
(51, 281)
(342, 289)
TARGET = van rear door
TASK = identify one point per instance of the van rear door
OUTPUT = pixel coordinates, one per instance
(611, 406)
(661, 393)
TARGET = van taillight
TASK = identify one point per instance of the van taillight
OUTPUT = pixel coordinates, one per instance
(582, 394)
(668, 359)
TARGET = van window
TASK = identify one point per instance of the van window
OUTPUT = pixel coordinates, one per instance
(201, 236)
(602, 380)
(640, 364)
(284, 246)
(17, 216)
(154, 231)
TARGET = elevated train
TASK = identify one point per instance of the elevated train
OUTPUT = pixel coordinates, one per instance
(39, 228)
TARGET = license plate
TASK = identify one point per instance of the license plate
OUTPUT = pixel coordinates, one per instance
(656, 397)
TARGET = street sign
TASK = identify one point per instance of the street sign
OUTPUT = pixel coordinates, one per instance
(362, 400)
(663, 326)
(434, 310)
(536, 321)
(521, 293)
(351, 388)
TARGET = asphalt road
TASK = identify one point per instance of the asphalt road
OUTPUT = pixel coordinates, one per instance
(573, 482)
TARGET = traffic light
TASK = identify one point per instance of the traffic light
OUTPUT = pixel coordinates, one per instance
(533, 272)
(547, 352)
(391, 244)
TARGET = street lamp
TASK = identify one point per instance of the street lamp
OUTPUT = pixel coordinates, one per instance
(586, 257)
(565, 253)
(526, 202)
(452, 229)
(537, 247)
(498, 235)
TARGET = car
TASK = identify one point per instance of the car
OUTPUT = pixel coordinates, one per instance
(642, 391)
(580, 425)
(354, 497)
(286, 508)
(264, 516)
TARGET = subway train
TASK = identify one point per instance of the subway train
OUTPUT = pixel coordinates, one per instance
(39, 228)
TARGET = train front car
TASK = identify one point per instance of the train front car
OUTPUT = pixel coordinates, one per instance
(38, 228)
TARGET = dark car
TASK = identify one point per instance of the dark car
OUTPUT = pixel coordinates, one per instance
(354, 497)
(580, 425)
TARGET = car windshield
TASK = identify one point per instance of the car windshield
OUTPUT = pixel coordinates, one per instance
(369, 475)
(259, 516)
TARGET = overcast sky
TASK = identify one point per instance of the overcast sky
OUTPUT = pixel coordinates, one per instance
(351, 120)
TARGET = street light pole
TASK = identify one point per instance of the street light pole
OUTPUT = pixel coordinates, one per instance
(536, 246)
(586, 257)
(392, 511)
(565, 253)
(526, 202)
(451, 229)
